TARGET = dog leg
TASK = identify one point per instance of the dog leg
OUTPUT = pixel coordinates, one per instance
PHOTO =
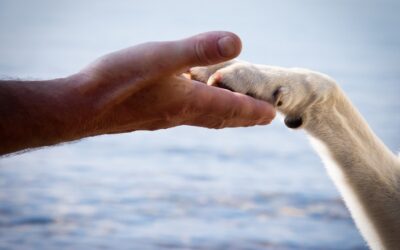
(366, 173)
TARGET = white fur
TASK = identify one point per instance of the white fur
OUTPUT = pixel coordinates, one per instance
(366, 173)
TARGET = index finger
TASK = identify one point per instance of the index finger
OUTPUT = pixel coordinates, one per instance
(217, 108)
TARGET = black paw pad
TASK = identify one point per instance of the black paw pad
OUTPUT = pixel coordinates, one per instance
(293, 121)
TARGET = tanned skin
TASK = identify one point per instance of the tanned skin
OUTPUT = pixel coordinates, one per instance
(138, 88)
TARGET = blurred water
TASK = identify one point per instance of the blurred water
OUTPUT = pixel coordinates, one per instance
(193, 188)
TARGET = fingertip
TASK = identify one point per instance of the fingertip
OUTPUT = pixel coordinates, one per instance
(213, 47)
(265, 121)
(229, 46)
(267, 112)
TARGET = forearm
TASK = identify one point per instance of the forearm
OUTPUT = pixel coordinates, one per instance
(39, 113)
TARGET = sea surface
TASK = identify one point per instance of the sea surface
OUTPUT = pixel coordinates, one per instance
(193, 188)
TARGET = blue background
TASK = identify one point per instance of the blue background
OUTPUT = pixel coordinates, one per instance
(193, 188)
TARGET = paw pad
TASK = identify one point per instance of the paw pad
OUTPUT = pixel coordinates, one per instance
(293, 122)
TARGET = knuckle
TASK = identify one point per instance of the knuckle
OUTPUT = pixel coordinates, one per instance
(201, 54)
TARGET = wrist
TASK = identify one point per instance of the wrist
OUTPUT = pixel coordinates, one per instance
(89, 104)
(61, 115)
(79, 105)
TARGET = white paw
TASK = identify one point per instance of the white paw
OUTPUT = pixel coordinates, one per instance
(292, 91)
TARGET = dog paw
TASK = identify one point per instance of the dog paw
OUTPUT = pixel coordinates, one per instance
(292, 91)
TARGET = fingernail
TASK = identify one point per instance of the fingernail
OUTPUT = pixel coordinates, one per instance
(227, 46)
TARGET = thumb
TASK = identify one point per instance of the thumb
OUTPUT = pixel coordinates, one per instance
(199, 50)
(209, 48)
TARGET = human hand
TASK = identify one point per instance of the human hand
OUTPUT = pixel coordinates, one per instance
(142, 88)
(138, 88)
